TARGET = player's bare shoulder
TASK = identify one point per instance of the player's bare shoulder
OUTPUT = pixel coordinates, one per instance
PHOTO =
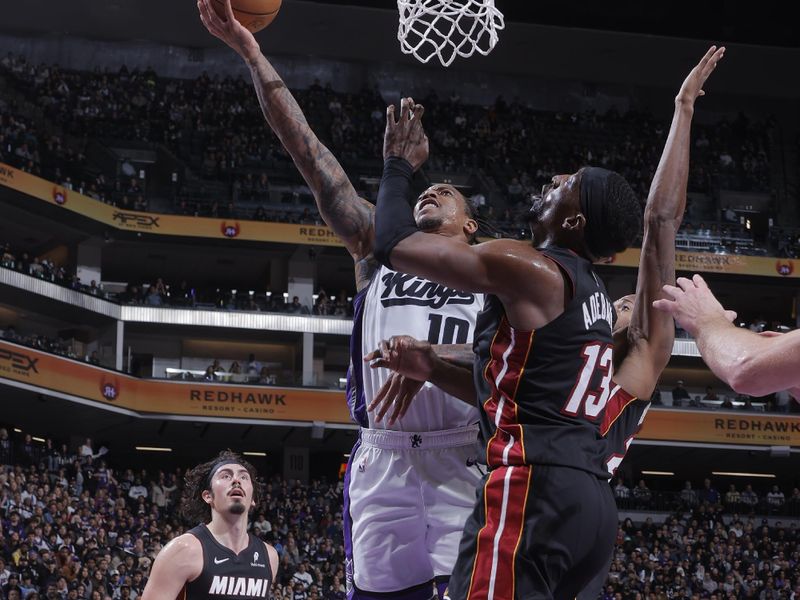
(179, 562)
(183, 553)
(519, 259)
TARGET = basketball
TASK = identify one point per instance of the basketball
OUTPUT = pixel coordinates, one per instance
(255, 15)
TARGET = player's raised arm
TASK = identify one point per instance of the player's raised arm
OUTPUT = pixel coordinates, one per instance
(651, 332)
(348, 215)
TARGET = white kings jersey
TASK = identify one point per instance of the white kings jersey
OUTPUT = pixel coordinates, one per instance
(398, 304)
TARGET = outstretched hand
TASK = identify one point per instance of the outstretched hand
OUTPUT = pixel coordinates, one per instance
(405, 138)
(405, 355)
(396, 393)
(692, 87)
(411, 361)
(692, 304)
(229, 30)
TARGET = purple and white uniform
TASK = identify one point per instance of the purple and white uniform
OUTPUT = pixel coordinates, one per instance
(409, 487)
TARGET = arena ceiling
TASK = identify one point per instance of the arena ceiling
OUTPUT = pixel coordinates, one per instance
(724, 20)
(714, 20)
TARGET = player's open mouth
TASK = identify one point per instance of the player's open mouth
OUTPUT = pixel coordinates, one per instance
(237, 493)
(428, 202)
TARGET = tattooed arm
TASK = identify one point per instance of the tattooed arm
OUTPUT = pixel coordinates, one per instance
(350, 217)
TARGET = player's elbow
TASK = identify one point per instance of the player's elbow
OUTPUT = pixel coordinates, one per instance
(657, 219)
(746, 376)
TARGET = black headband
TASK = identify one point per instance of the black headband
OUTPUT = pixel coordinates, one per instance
(215, 467)
(594, 188)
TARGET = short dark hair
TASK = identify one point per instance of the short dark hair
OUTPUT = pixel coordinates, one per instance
(193, 507)
(622, 214)
(471, 210)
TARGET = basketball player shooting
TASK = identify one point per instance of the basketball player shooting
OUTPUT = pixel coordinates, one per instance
(218, 557)
(410, 482)
(642, 338)
(545, 515)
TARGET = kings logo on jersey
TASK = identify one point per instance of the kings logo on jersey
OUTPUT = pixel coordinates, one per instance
(400, 289)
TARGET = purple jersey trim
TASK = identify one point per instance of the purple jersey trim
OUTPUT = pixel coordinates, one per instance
(354, 391)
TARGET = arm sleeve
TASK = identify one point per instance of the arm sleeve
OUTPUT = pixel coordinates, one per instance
(394, 219)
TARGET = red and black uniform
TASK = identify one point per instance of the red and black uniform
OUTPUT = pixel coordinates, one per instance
(229, 575)
(545, 517)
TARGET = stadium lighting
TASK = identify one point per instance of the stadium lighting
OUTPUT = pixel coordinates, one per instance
(735, 474)
(153, 449)
(37, 439)
(661, 473)
(254, 453)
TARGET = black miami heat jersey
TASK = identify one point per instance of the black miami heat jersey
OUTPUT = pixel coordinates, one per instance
(227, 574)
(543, 393)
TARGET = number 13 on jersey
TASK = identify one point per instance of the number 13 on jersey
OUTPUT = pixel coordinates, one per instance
(582, 400)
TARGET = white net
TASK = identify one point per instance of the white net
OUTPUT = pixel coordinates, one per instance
(448, 28)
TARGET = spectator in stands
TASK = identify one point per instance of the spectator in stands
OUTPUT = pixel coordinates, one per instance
(732, 497)
(709, 493)
(749, 497)
(296, 307)
(85, 450)
(93, 358)
(775, 498)
(137, 490)
(688, 495)
(680, 395)
(6, 448)
(261, 526)
(710, 394)
(621, 491)
(642, 494)
(302, 576)
(253, 368)
(322, 306)
(235, 369)
(153, 298)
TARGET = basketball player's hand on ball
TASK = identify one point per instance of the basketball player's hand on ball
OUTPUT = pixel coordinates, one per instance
(692, 87)
(229, 30)
(405, 137)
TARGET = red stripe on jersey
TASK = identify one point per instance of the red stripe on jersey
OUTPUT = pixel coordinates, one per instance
(509, 353)
(615, 407)
(505, 500)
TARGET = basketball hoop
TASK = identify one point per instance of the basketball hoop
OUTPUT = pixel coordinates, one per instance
(448, 28)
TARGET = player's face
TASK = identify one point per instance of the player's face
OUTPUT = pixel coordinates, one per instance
(560, 199)
(441, 209)
(623, 307)
(231, 489)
